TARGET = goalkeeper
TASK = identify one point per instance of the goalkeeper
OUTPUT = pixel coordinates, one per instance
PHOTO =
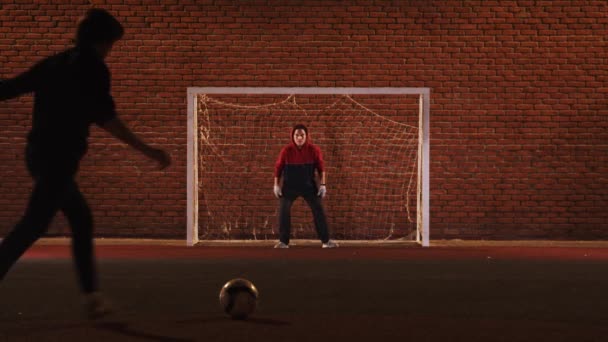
(296, 168)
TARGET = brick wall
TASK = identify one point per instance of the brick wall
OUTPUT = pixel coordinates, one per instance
(519, 117)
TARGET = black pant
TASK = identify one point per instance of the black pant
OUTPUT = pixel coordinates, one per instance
(54, 189)
(313, 201)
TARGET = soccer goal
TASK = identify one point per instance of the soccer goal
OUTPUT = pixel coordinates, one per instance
(375, 143)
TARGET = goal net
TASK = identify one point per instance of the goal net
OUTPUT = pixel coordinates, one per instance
(375, 143)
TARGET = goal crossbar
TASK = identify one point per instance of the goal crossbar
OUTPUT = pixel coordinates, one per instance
(422, 236)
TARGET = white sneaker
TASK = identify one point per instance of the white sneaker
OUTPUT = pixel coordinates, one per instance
(330, 244)
(97, 306)
(281, 245)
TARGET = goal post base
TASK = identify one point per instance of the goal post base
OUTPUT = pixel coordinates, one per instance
(307, 243)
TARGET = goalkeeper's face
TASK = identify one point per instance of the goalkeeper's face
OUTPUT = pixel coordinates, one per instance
(299, 137)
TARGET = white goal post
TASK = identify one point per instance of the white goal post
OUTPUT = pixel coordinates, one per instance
(423, 159)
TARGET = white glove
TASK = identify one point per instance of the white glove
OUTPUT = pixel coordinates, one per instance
(322, 191)
(277, 191)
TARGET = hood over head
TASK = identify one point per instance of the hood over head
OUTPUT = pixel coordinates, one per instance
(302, 127)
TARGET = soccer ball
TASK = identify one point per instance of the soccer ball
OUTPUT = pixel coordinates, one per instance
(238, 298)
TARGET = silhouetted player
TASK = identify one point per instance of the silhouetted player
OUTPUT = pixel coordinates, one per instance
(71, 92)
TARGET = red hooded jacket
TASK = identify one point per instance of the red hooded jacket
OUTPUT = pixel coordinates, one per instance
(296, 166)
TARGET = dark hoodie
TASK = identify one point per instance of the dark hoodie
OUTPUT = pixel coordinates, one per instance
(71, 92)
(296, 166)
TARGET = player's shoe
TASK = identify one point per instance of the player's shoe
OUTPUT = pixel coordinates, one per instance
(96, 306)
(281, 245)
(330, 244)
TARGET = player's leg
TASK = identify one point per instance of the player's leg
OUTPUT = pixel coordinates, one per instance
(318, 213)
(41, 208)
(80, 218)
(285, 204)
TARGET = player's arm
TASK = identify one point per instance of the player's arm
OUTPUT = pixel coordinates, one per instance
(320, 165)
(21, 84)
(322, 176)
(277, 188)
(322, 190)
(105, 116)
(119, 130)
(278, 171)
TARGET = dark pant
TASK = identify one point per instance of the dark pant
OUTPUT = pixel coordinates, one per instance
(313, 201)
(54, 189)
